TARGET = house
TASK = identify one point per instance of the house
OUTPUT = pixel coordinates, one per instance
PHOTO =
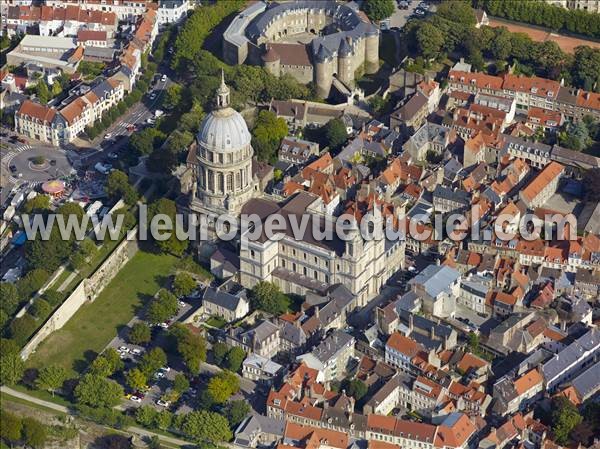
(308, 437)
(263, 339)
(258, 430)
(544, 185)
(547, 121)
(438, 287)
(447, 200)
(411, 115)
(297, 151)
(261, 370)
(567, 363)
(429, 138)
(518, 394)
(228, 301)
(173, 11)
(331, 356)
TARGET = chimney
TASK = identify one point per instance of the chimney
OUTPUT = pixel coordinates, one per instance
(317, 311)
(410, 323)
(433, 332)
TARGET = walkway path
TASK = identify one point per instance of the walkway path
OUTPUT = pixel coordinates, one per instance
(60, 408)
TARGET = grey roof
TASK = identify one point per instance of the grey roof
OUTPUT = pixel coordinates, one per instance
(429, 132)
(417, 102)
(261, 332)
(436, 279)
(226, 296)
(458, 196)
(588, 382)
(329, 347)
(571, 354)
(473, 286)
(256, 425)
(292, 333)
(424, 324)
(346, 16)
(262, 363)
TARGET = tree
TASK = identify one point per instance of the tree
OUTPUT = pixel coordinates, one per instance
(136, 380)
(180, 383)
(12, 427)
(192, 348)
(576, 137)
(501, 45)
(9, 298)
(34, 433)
(140, 333)
(222, 386)
(163, 419)
(77, 260)
(237, 411)
(51, 378)
(96, 391)
(183, 284)
(117, 186)
(378, 10)
(565, 418)
(234, 359)
(430, 40)
(173, 96)
(179, 141)
(267, 135)
(457, 11)
(107, 363)
(32, 282)
(22, 328)
(37, 204)
(357, 389)
(473, 341)
(172, 244)
(219, 351)
(145, 141)
(335, 134)
(152, 361)
(163, 307)
(268, 297)
(53, 297)
(12, 366)
(42, 91)
(205, 426)
(145, 415)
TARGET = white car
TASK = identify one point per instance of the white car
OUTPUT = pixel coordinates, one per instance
(181, 304)
(166, 369)
(152, 96)
(107, 135)
(163, 403)
(123, 349)
(159, 375)
(164, 78)
(136, 351)
(135, 399)
(164, 325)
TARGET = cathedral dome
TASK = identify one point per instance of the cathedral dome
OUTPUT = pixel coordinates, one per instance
(224, 128)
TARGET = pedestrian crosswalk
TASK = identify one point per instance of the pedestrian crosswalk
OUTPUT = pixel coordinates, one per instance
(6, 158)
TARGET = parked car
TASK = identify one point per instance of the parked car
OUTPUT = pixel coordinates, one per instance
(136, 351)
(164, 78)
(152, 96)
(124, 349)
(166, 369)
(113, 155)
(107, 135)
(13, 168)
(163, 403)
(135, 399)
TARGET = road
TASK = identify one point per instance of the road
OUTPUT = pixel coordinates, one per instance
(400, 16)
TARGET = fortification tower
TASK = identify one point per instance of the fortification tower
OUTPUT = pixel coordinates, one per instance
(345, 71)
(372, 50)
(272, 61)
(324, 71)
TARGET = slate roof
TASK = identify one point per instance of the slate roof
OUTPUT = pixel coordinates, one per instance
(435, 279)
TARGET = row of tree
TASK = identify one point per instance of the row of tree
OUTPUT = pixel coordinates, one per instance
(451, 31)
(544, 14)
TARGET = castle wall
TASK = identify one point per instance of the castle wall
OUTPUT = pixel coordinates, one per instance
(304, 74)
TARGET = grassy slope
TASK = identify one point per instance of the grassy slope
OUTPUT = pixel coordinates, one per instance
(95, 324)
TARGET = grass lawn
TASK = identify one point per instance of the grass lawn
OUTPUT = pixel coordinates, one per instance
(10, 398)
(43, 395)
(216, 321)
(95, 324)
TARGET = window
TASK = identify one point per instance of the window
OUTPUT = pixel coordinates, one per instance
(229, 182)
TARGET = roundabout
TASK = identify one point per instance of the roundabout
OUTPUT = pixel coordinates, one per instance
(36, 165)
